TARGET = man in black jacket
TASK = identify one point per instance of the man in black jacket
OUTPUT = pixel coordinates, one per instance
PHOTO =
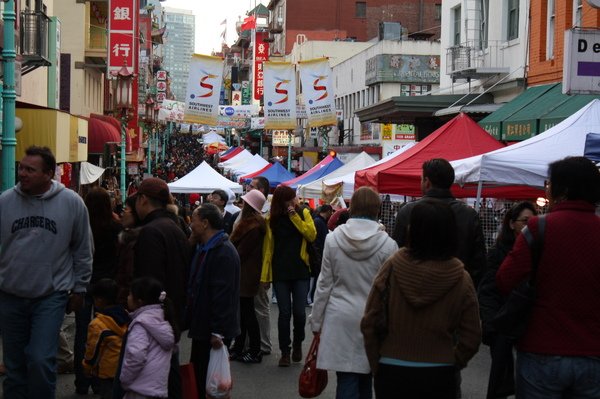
(162, 251)
(219, 198)
(214, 290)
(438, 176)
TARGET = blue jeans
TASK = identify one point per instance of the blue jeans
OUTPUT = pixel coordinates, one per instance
(353, 386)
(291, 297)
(30, 329)
(560, 377)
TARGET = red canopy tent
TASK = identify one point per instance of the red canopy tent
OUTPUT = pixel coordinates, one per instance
(459, 138)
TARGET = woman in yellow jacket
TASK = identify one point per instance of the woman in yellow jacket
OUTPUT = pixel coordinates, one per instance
(290, 229)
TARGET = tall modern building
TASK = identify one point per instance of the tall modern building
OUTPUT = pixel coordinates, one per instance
(178, 48)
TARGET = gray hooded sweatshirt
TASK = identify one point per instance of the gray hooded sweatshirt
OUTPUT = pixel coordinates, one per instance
(46, 242)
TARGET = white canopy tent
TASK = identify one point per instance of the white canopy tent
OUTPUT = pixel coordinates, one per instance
(252, 165)
(239, 159)
(212, 137)
(526, 163)
(89, 173)
(314, 189)
(203, 179)
(348, 178)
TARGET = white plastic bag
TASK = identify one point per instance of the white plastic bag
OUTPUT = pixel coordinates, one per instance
(218, 377)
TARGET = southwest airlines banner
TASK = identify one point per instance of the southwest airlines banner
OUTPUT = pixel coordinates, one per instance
(315, 76)
(203, 90)
(279, 95)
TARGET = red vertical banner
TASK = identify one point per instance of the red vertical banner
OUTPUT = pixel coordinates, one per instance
(122, 22)
(261, 54)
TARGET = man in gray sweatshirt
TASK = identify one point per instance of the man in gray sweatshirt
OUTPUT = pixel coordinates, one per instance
(45, 267)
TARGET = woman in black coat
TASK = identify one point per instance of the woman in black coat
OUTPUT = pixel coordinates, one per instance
(501, 383)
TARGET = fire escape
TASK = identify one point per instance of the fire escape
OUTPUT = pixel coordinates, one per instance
(476, 57)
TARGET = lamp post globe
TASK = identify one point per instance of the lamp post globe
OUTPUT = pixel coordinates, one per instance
(123, 103)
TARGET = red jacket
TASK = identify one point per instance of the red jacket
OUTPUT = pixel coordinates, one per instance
(566, 316)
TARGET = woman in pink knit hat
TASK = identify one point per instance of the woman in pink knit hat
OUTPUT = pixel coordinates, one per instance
(247, 237)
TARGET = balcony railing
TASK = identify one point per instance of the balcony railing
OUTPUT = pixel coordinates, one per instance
(474, 58)
(34, 40)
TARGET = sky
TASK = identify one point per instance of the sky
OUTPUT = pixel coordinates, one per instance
(209, 16)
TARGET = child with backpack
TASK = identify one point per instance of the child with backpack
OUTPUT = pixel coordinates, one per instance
(104, 337)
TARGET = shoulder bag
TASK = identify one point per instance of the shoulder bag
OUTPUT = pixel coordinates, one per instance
(513, 317)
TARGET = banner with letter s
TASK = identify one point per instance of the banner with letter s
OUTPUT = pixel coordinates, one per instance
(317, 91)
(279, 95)
(203, 90)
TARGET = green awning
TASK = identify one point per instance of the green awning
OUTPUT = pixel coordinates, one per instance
(493, 122)
(525, 123)
(566, 109)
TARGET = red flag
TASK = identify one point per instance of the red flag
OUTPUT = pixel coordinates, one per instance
(249, 23)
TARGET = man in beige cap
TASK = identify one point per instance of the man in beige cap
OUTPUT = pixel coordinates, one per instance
(162, 251)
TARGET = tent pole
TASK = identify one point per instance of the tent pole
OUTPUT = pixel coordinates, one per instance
(478, 201)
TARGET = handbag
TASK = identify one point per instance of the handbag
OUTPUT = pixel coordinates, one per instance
(312, 380)
(513, 317)
(189, 388)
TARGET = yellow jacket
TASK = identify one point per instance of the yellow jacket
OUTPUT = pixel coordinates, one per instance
(305, 226)
(104, 340)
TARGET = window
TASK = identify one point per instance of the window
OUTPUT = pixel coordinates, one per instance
(577, 8)
(513, 20)
(550, 29)
(484, 25)
(361, 9)
(456, 25)
(438, 12)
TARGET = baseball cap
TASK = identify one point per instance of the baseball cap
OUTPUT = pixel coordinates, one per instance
(156, 188)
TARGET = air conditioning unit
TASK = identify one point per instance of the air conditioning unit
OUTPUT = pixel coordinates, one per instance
(34, 34)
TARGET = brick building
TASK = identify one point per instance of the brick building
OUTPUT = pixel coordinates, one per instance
(348, 20)
(549, 21)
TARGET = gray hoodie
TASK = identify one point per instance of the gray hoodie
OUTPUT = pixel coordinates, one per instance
(46, 242)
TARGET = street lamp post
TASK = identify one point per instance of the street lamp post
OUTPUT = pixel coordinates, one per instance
(9, 97)
(156, 139)
(123, 96)
(149, 127)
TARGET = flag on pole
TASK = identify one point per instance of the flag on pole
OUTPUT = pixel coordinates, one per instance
(249, 23)
(279, 95)
(317, 92)
(203, 90)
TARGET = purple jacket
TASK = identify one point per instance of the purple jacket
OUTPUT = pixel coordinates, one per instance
(147, 358)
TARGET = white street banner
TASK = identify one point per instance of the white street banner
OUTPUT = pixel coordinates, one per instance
(279, 95)
(204, 89)
(171, 111)
(317, 91)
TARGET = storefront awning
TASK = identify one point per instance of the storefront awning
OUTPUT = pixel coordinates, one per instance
(99, 133)
(404, 109)
(524, 123)
(66, 135)
(493, 122)
(566, 109)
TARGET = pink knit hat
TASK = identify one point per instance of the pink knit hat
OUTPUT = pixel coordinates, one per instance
(255, 199)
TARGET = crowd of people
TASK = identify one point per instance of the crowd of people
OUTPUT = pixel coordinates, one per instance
(183, 153)
(397, 312)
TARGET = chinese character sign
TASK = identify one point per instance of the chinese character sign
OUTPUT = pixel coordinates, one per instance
(203, 90)
(121, 38)
(280, 95)
(261, 54)
(317, 91)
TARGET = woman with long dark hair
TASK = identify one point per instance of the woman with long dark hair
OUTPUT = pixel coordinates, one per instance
(290, 229)
(105, 231)
(247, 237)
(501, 382)
(421, 320)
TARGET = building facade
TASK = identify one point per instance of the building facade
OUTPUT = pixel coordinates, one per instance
(178, 48)
(348, 20)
